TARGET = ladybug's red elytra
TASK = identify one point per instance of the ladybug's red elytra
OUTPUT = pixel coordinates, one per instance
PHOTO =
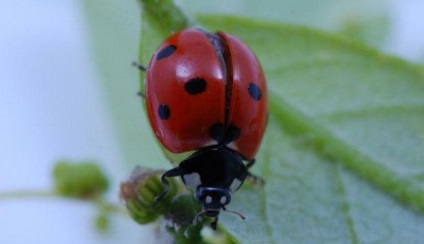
(206, 92)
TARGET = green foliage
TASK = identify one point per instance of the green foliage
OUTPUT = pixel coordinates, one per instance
(335, 105)
(343, 154)
(356, 106)
(371, 31)
(79, 180)
(338, 111)
(139, 193)
(182, 211)
(102, 222)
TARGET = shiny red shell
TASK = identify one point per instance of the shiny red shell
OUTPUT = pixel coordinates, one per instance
(206, 89)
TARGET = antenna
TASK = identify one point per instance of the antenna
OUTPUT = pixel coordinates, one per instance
(234, 212)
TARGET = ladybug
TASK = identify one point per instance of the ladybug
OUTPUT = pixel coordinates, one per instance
(206, 94)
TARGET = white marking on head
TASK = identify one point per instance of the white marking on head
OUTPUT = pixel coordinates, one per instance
(208, 199)
(192, 181)
(232, 145)
(223, 200)
(235, 185)
(209, 143)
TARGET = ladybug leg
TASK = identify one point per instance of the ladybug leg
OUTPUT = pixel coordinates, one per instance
(139, 66)
(250, 163)
(257, 180)
(170, 173)
(141, 94)
(214, 223)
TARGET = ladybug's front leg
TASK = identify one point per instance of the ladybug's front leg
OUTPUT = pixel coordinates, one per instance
(250, 163)
(170, 173)
(257, 180)
(139, 66)
(143, 69)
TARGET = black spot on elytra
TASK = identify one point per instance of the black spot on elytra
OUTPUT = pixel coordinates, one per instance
(233, 133)
(195, 86)
(216, 131)
(166, 52)
(164, 111)
(254, 91)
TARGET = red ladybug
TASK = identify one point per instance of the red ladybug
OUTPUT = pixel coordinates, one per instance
(206, 92)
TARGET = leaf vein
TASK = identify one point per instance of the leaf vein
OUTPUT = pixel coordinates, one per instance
(266, 172)
(330, 146)
(345, 206)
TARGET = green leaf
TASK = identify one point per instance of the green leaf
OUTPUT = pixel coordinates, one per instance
(334, 106)
(114, 27)
(370, 30)
(343, 156)
(367, 21)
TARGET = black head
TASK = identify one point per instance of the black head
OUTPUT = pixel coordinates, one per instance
(214, 174)
(212, 199)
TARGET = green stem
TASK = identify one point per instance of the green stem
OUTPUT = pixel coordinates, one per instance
(38, 194)
(164, 15)
(110, 207)
(26, 194)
